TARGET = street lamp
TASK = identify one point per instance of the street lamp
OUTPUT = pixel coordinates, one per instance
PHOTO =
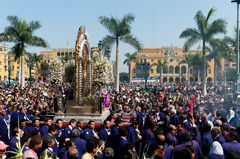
(237, 47)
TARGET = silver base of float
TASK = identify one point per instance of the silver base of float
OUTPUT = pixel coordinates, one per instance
(97, 117)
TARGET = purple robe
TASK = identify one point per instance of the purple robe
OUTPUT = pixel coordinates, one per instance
(195, 144)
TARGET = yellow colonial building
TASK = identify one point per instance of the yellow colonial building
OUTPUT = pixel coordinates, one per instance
(10, 67)
(52, 54)
(174, 72)
(3, 62)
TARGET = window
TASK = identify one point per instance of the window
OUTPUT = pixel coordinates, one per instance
(141, 60)
(171, 60)
(18, 67)
(233, 65)
(58, 54)
(151, 70)
(134, 70)
(209, 71)
(191, 71)
(152, 60)
(226, 65)
(145, 60)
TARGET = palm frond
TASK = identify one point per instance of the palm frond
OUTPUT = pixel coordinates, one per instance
(16, 49)
(7, 38)
(190, 42)
(200, 21)
(14, 21)
(210, 13)
(34, 25)
(128, 19)
(108, 41)
(132, 41)
(189, 32)
(218, 26)
(37, 41)
(109, 23)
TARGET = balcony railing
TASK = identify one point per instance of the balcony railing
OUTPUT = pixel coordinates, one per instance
(171, 74)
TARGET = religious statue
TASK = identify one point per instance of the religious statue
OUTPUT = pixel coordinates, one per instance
(83, 66)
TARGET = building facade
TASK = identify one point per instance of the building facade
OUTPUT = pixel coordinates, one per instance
(3, 62)
(174, 71)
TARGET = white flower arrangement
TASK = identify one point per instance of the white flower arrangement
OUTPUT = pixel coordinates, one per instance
(103, 71)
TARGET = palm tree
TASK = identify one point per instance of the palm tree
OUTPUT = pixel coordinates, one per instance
(160, 66)
(120, 30)
(187, 60)
(197, 63)
(36, 59)
(22, 34)
(204, 32)
(128, 60)
(218, 51)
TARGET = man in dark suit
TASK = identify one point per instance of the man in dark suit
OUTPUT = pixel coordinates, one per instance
(105, 132)
(89, 131)
(160, 117)
(80, 143)
(52, 132)
(118, 123)
(121, 141)
(174, 119)
(35, 125)
(5, 128)
(45, 127)
(217, 136)
(80, 125)
(67, 132)
(59, 124)
(133, 133)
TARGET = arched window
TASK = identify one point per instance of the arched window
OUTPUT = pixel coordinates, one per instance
(171, 69)
(58, 54)
(62, 54)
(165, 69)
(177, 70)
(183, 70)
(183, 79)
(165, 79)
(170, 79)
(177, 79)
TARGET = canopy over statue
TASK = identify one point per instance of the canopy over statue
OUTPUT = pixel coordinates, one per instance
(83, 67)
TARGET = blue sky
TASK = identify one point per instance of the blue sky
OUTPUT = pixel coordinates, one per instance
(157, 22)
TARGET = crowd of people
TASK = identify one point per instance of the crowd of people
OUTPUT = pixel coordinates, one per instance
(155, 121)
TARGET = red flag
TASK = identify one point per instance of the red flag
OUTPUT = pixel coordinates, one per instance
(191, 107)
(162, 95)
